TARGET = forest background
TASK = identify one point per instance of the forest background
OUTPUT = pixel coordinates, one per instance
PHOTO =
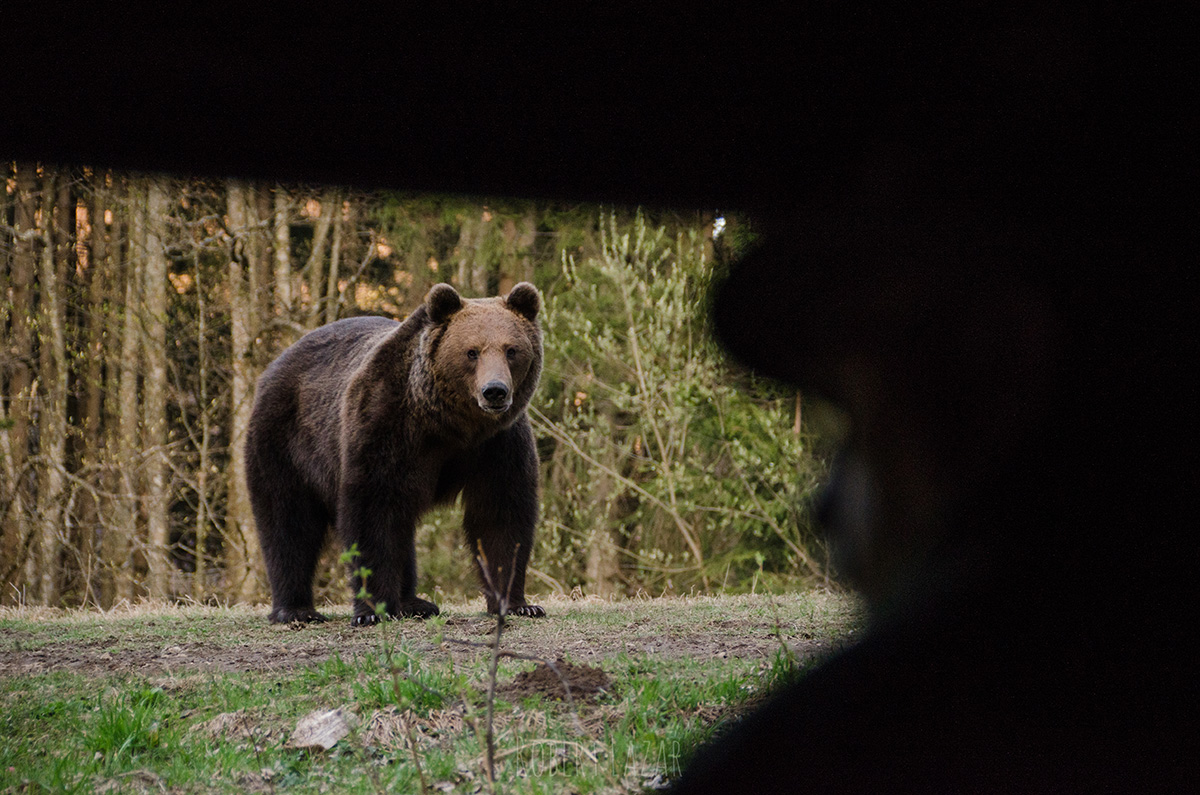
(136, 312)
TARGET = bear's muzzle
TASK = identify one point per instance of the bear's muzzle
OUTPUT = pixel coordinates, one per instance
(496, 397)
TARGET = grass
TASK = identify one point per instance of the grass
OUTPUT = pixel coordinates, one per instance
(192, 699)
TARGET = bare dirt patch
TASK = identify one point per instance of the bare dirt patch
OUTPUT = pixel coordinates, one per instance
(167, 640)
(586, 683)
(135, 653)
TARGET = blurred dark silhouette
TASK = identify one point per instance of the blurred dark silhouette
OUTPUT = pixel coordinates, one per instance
(1001, 292)
(976, 234)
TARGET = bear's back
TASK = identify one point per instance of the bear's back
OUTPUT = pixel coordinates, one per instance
(322, 361)
(298, 401)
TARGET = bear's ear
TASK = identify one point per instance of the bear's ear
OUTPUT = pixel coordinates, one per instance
(524, 300)
(442, 301)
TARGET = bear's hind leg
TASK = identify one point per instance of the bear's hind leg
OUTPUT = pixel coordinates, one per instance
(292, 524)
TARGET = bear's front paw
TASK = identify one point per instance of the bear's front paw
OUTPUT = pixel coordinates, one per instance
(295, 615)
(415, 608)
(364, 620)
(533, 611)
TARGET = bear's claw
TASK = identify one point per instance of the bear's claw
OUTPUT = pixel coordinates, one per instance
(409, 608)
(415, 608)
(295, 615)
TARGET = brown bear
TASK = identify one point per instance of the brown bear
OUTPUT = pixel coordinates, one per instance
(366, 423)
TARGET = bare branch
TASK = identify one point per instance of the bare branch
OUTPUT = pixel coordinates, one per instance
(685, 529)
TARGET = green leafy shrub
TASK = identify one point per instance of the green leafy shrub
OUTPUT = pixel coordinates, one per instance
(665, 468)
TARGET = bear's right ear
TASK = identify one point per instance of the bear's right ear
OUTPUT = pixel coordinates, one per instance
(442, 301)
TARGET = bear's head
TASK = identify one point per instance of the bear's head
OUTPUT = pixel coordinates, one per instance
(487, 357)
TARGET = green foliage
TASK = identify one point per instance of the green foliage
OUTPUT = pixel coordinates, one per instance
(663, 472)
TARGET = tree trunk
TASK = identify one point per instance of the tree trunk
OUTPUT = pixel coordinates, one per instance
(602, 563)
(479, 266)
(154, 423)
(282, 251)
(335, 260)
(114, 542)
(200, 577)
(708, 226)
(462, 272)
(52, 420)
(129, 459)
(7, 476)
(526, 238)
(91, 419)
(472, 276)
(14, 544)
(259, 236)
(242, 543)
(509, 259)
(315, 267)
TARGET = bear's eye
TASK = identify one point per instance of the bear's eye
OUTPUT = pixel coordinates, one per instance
(472, 354)
(511, 353)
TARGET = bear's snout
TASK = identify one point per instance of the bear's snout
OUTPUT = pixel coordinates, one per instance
(496, 396)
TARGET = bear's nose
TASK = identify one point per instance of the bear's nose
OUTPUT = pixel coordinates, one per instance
(495, 392)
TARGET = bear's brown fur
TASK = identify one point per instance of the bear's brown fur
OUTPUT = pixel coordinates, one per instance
(366, 423)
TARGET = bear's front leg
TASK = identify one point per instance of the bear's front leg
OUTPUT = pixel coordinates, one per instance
(383, 531)
(366, 609)
(500, 511)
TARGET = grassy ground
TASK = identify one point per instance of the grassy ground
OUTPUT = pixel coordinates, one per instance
(195, 699)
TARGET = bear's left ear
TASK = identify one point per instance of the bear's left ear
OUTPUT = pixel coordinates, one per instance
(442, 302)
(524, 300)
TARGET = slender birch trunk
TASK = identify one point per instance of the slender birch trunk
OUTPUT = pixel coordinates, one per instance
(526, 238)
(315, 267)
(282, 251)
(52, 424)
(602, 564)
(479, 266)
(335, 259)
(16, 538)
(154, 422)
(129, 458)
(114, 543)
(469, 235)
(242, 542)
(261, 268)
(91, 456)
(200, 577)
(7, 478)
